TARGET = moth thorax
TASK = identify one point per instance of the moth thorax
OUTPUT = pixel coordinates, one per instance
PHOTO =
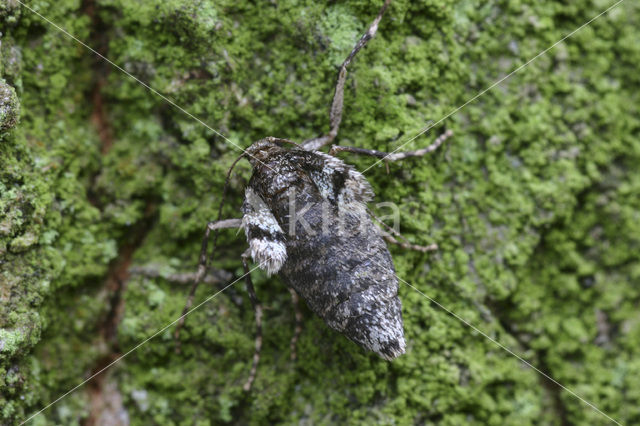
(260, 151)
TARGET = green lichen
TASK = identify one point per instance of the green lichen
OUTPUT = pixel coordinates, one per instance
(9, 107)
(533, 204)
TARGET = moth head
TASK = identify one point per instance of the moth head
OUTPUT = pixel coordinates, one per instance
(261, 150)
(257, 153)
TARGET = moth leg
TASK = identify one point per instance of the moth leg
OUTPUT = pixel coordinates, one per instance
(406, 244)
(394, 156)
(409, 246)
(295, 299)
(202, 269)
(335, 114)
(257, 308)
(213, 276)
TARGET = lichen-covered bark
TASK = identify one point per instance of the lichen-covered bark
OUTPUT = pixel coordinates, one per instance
(534, 205)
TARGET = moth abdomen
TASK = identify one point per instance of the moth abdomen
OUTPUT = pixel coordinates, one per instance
(372, 318)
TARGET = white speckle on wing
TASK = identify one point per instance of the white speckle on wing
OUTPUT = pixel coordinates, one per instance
(258, 214)
(270, 255)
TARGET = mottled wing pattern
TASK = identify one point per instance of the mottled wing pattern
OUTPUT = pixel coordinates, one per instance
(338, 182)
(264, 235)
(336, 259)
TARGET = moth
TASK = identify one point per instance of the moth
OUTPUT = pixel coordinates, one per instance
(305, 218)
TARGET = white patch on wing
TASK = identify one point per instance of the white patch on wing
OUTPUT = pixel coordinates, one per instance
(356, 187)
(269, 254)
(259, 215)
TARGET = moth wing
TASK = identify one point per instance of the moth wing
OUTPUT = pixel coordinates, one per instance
(348, 279)
(337, 181)
(267, 241)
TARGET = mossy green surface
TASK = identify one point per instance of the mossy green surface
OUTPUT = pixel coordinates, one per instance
(534, 203)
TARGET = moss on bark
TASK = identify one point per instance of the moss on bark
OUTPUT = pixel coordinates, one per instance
(534, 204)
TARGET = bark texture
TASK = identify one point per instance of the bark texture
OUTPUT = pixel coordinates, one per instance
(534, 204)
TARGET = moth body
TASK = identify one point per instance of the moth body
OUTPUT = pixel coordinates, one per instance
(305, 218)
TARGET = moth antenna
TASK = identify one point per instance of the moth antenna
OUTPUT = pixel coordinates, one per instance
(225, 189)
(203, 262)
(283, 141)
